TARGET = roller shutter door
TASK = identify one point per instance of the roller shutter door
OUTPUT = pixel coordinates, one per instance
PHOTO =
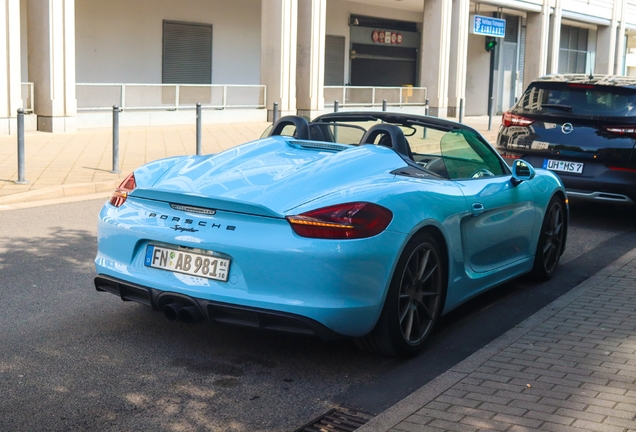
(376, 65)
(187, 53)
(334, 60)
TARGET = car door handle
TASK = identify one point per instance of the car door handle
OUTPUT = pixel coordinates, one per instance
(477, 208)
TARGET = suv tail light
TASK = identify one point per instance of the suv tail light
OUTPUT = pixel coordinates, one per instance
(510, 119)
(343, 221)
(121, 193)
(617, 168)
(622, 130)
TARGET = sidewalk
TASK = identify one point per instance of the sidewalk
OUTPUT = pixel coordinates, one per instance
(61, 165)
(569, 367)
(64, 165)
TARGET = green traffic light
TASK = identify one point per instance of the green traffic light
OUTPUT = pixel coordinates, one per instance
(491, 43)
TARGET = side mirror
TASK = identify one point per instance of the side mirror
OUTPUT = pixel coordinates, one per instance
(521, 171)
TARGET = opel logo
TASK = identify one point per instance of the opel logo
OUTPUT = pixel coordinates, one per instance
(567, 128)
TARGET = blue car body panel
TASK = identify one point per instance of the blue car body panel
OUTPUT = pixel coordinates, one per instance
(490, 228)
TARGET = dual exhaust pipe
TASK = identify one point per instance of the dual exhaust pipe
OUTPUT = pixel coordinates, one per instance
(188, 314)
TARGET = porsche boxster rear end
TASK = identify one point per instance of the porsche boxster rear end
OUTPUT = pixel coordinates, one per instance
(219, 238)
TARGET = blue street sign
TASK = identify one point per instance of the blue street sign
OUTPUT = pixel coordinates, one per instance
(488, 26)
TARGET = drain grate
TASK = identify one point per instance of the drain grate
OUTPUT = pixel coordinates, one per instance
(337, 420)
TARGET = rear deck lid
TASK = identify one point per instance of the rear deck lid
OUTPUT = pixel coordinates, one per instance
(271, 176)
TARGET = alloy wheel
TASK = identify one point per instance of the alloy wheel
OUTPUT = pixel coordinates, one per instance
(553, 237)
(420, 293)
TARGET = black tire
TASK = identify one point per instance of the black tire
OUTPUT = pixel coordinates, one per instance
(551, 240)
(414, 302)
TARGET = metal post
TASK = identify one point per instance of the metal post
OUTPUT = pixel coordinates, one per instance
(425, 134)
(115, 169)
(275, 113)
(461, 110)
(21, 179)
(383, 104)
(336, 106)
(490, 106)
(198, 128)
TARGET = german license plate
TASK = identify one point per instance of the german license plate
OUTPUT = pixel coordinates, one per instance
(187, 262)
(563, 166)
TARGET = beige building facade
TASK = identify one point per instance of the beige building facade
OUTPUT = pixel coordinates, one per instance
(67, 62)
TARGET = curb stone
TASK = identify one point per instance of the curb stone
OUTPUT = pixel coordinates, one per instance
(63, 191)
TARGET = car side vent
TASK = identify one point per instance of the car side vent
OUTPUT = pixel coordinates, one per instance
(318, 145)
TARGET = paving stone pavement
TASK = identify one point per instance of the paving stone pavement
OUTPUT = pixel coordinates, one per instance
(66, 164)
(570, 367)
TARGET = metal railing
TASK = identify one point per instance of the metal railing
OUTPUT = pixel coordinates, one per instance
(101, 96)
(27, 96)
(354, 96)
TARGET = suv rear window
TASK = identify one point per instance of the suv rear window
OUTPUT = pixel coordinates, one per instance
(584, 100)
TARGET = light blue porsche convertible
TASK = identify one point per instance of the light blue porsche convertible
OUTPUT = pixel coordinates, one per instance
(367, 225)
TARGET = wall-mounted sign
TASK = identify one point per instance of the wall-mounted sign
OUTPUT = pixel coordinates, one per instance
(488, 26)
(386, 37)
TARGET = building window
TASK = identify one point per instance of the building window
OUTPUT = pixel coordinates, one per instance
(187, 53)
(573, 49)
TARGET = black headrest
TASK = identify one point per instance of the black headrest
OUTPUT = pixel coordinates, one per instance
(398, 141)
(301, 124)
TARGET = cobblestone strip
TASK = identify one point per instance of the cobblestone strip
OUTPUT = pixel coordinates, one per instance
(569, 367)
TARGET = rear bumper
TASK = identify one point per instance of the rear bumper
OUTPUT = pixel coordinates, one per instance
(215, 312)
(339, 284)
(598, 183)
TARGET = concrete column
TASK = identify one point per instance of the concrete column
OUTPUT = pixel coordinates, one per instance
(538, 27)
(555, 38)
(310, 73)
(458, 56)
(620, 39)
(51, 35)
(605, 49)
(434, 54)
(279, 20)
(606, 43)
(10, 71)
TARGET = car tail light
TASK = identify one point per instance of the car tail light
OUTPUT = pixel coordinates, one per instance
(622, 130)
(343, 221)
(615, 168)
(510, 155)
(121, 193)
(510, 119)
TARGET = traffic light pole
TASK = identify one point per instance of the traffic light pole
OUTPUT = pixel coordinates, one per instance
(490, 87)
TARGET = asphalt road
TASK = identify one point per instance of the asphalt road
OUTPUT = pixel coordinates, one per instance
(75, 359)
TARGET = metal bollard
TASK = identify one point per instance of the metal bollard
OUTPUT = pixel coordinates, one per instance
(336, 106)
(21, 180)
(198, 129)
(275, 113)
(115, 169)
(425, 133)
(383, 104)
(461, 110)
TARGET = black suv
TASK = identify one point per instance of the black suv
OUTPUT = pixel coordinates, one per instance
(583, 128)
